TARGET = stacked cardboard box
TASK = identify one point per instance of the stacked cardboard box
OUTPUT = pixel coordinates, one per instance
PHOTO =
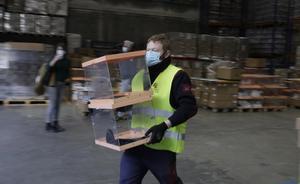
(36, 6)
(268, 10)
(229, 73)
(11, 22)
(58, 7)
(183, 44)
(15, 5)
(204, 46)
(262, 42)
(58, 26)
(293, 92)
(259, 91)
(225, 10)
(27, 23)
(255, 66)
(193, 67)
(216, 94)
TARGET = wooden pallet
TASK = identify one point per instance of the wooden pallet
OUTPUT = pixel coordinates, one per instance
(263, 109)
(16, 102)
(219, 109)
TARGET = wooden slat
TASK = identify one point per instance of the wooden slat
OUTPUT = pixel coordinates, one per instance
(274, 86)
(259, 76)
(126, 135)
(80, 79)
(115, 58)
(250, 86)
(276, 97)
(128, 99)
(250, 97)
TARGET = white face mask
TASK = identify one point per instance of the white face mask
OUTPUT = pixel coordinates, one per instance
(125, 49)
(60, 52)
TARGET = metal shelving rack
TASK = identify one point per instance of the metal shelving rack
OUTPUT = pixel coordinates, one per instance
(275, 24)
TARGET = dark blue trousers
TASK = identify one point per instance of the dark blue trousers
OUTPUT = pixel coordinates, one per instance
(136, 162)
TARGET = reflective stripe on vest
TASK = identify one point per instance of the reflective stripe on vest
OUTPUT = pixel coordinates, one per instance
(151, 112)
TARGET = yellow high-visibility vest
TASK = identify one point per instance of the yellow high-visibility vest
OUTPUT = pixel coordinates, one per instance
(147, 114)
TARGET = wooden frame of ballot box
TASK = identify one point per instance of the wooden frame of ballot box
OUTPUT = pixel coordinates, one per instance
(118, 100)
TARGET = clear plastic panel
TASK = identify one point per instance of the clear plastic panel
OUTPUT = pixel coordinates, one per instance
(111, 80)
(119, 127)
(99, 83)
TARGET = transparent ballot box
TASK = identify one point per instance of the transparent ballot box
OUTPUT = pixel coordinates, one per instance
(119, 98)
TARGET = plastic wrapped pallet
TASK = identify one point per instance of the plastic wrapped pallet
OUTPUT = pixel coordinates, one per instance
(58, 26)
(177, 45)
(21, 65)
(15, 5)
(11, 22)
(1, 19)
(42, 24)
(190, 45)
(58, 7)
(36, 6)
(27, 23)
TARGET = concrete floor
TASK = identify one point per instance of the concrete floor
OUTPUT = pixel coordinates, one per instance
(222, 148)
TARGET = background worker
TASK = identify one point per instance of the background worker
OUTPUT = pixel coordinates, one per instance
(59, 73)
(173, 103)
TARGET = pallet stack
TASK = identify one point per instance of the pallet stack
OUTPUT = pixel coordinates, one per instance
(261, 92)
(193, 67)
(214, 94)
(19, 65)
(255, 66)
(293, 92)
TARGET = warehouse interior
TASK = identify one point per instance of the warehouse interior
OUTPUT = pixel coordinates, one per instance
(242, 56)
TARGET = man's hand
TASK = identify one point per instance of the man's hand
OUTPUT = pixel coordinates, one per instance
(157, 133)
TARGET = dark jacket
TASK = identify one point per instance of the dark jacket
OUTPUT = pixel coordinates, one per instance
(60, 70)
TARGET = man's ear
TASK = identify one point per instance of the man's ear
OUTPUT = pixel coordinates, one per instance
(168, 53)
(165, 54)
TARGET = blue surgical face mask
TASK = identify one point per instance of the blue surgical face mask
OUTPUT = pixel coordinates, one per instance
(152, 58)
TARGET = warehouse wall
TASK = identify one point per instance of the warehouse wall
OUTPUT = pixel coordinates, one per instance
(115, 20)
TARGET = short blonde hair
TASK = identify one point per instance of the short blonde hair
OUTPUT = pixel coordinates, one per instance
(163, 39)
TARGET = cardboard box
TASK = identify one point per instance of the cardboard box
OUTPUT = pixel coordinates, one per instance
(229, 73)
(255, 62)
(224, 90)
(294, 102)
(222, 104)
(217, 97)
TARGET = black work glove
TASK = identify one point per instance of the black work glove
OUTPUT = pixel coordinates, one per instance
(157, 133)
